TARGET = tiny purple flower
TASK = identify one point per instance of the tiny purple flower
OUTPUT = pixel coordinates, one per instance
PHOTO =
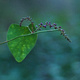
(55, 24)
(49, 23)
(63, 30)
(41, 23)
(36, 26)
(44, 26)
(51, 26)
(46, 23)
(59, 26)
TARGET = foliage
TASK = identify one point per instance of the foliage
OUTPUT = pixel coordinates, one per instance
(22, 39)
(21, 46)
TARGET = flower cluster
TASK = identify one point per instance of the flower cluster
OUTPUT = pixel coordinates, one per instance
(47, 24)
(54, 25)
(25, 18)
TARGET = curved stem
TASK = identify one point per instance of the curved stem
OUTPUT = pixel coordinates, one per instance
(51, 30)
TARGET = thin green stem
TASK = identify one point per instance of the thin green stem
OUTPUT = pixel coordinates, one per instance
(51, 30)
(37, 29)
(29, 29)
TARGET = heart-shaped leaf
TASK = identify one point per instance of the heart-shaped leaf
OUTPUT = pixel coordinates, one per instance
(20, 47)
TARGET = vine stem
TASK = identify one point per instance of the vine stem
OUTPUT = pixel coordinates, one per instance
(51, 30)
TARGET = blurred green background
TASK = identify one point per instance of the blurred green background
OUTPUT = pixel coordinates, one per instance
(53, 57)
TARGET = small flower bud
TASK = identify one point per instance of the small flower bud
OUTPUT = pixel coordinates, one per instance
(49, 23)
(59, 26)
(36, 26)
(41, 23)
(44, 26)
(40, 26)
(51, 26)
(54, 24)
(46, 23)
(63, 30)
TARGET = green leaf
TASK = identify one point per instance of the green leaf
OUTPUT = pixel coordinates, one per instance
(20, 47)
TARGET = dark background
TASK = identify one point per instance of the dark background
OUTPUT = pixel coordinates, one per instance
(53, 57)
